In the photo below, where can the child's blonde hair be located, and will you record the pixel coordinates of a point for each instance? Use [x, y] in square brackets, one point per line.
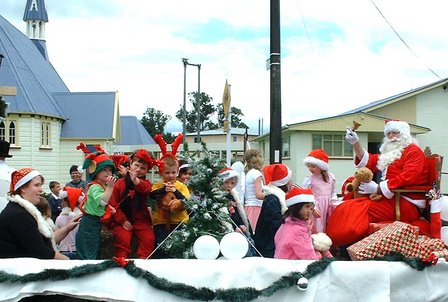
[170, 161]
[253, 161]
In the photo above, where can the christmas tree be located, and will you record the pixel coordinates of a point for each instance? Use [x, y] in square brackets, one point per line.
[207, 207]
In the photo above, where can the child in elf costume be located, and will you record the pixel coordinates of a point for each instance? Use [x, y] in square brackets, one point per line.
[100, 169]
[168, 193]
[132, 216]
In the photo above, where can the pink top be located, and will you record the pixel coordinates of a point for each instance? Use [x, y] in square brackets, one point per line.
[293, 241]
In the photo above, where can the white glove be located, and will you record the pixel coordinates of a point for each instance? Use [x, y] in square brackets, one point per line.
[368, 187]
[351, 137]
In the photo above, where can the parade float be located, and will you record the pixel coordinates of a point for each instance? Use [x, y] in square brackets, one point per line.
[392, 264]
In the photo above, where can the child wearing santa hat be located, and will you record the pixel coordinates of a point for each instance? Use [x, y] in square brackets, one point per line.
[322, 182]
[278, 179]
[293, 239]
[71, 198]
[100, 169]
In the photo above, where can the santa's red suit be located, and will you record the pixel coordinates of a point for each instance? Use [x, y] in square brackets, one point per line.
[130, 204]
[350, 220]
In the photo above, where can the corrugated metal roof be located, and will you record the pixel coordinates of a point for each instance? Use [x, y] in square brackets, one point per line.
[395, 97]
[37, 12]
[220, 131]
[88, 114]
[26, 68]
[133, 132]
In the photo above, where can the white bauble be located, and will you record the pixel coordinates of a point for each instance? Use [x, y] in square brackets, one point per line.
[234, 245]
[206, 247]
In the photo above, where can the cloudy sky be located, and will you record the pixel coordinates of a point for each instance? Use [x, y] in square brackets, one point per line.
[336, 55]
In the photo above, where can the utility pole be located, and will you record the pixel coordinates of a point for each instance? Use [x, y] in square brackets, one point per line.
[198, 109]
[275, 138]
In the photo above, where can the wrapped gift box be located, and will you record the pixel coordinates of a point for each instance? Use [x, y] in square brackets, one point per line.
[376, 226]
[396, 237]
[430, 245]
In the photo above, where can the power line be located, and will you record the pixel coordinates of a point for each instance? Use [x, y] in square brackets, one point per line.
[402, 40]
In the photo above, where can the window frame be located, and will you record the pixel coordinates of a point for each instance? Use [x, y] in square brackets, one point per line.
[8, 131]
[330, 142]
[45, 134]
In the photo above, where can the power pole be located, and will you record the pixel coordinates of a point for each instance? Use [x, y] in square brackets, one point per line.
[275, 137]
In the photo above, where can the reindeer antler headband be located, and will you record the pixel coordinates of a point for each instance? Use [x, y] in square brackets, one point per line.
[162, 144]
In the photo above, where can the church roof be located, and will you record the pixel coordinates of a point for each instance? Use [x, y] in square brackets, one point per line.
[88, 114]
[130, 124]
[25, 68]
[36, 11]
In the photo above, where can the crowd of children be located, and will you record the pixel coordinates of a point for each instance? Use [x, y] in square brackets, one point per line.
[264, 205]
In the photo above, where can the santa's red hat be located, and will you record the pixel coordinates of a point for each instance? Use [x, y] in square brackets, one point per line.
[21, 177]
[277, 174]
[317, 157]
[396, 126]
[299, 195]
[228, 173]
[73, 195]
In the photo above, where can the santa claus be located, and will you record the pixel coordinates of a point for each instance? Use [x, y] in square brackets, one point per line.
[402, 163]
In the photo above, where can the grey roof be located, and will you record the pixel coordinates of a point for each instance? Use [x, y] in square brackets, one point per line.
[397, 96]
[35, 12]
[88, 114]
[25, 68]
[133, 132]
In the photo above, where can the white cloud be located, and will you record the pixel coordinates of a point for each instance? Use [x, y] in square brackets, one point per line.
[347, 57]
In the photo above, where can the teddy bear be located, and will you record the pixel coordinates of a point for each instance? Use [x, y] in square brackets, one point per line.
[170, 202]
[362, 174]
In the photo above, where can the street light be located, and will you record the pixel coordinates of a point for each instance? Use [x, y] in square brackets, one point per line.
[1, 59]
[184, 117]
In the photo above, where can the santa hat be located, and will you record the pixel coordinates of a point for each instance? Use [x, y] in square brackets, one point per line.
[299, 195]
[317, 157]
[277, 174]
[228, 173]
[73, 195]
[145, 156]
[396, 126]
[21, 177]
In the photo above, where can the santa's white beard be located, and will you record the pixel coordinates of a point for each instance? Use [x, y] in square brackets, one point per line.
[390, 150]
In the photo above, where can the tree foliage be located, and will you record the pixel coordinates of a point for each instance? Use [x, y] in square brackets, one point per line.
[207, 111]
[3, 106]
[202, 107]
[207, 206]
[235, 118]
[155, 122]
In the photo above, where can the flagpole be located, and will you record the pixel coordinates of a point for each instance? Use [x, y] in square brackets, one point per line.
[226, 102]
[229, 134]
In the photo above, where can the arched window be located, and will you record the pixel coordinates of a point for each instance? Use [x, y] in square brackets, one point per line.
[12, 133]
[2, 130]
